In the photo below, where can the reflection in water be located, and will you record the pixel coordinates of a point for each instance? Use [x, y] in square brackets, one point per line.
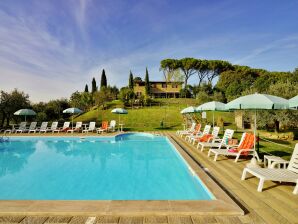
[100, 169]
[14, 156]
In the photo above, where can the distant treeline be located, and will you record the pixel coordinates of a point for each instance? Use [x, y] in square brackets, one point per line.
[233, 80]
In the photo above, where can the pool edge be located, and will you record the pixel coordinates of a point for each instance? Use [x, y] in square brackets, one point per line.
[222, 205]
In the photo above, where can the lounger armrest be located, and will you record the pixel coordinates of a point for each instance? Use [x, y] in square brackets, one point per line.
[245, 150]
[232, 146]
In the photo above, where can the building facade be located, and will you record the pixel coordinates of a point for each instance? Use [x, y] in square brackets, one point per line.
[159, 89]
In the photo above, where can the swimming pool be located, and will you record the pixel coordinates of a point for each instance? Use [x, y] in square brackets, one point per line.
[125, 167]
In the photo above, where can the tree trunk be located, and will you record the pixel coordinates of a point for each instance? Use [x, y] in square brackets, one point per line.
[185, 82]
[7, 121]
[276, 126]
[200, 82]
[3, 120]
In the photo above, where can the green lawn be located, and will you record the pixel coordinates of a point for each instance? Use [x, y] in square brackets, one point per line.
[151, 118]
[168, 113]
[283, 148]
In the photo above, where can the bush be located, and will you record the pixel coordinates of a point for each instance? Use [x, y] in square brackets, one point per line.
[147, 100]
[185, 93]
[126, 95]
[203, 97]
[41, 116]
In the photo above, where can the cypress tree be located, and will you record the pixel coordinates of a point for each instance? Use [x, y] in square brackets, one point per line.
[86, 89]
[94, 87]
[130, 81]
[103, 81]
[147, 84]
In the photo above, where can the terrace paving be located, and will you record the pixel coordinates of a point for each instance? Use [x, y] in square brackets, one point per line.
[276, 204]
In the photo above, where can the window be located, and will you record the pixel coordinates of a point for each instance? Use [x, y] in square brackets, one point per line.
[164, 85]
[153, 85]
[174, 86]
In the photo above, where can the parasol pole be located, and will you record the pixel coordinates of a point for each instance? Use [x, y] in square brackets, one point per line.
[255, 129]
[119, 122]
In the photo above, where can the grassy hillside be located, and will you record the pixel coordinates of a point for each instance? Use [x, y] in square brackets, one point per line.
[150, 118]
[168, 112]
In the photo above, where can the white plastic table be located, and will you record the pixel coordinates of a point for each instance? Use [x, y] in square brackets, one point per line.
[275, 159]
[85, 126]
[121, 127]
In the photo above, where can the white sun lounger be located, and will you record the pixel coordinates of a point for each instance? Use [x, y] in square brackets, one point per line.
[54, 127]
[191, 137]
[91, 128]
[282, 175]
[43, 127]
[65, 127]
[215, 132]
[216, 142]
[32, 127]
[22, 127]
[190, 130]
[196, 130]
[112, 126]
[77, 128]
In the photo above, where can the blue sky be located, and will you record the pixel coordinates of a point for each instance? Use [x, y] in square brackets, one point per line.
[51, 48]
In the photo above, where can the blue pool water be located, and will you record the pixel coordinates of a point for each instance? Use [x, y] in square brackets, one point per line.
[127, 167]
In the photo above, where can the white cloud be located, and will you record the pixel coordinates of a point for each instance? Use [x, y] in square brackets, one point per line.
[49, 64]
[30, 55]
[287, 42]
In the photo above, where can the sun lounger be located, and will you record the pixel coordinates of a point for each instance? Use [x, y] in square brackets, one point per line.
[77, 128]
[43, 127]
[8, 131]
[64, 128]
[196, 130]
[11, 130]
[91, 128]
[245, 148]
[191, 129]
[104, 127]
[207, 137]
[54, 127]
[217, 142]
[32, 127]
[112, 126]
[22, 127]
[282, 175]
[198, 134]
